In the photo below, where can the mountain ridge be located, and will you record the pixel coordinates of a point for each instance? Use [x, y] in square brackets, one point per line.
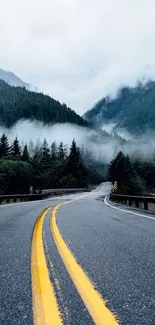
[13, 80]
[133, 110]
[17, 103]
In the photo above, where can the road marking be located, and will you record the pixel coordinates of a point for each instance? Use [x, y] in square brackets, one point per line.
[127, 211]
[91, 297]
[45, 308]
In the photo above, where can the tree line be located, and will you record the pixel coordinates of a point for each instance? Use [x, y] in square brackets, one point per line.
[43, 166]
[47, 168]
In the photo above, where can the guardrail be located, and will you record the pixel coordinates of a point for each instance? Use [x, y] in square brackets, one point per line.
[21, 197]
[43, 195]
[64, 190]
[131, 200]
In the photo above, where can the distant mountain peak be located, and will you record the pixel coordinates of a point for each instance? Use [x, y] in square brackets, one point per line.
[14, 80]
[132, 110]
[20, 104]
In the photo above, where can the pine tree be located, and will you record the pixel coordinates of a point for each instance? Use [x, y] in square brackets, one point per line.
[122, 171]
[4, 146]
[45, 149]
[61, 153]
[74, 155]
[54, 151]
[16, 149]
[31, 148]
[38, 146]
[25, 155]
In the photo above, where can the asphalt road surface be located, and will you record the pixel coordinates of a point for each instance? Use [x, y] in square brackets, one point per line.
[83, 262]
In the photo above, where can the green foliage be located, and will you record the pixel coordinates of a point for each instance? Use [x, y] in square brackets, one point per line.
[122, 171]
[25, 154]
[146, 170]
[16, 149]
[44, 169]
[133, 109]
[15, 176]
[4, 146]
[61, 152]
[17, 103]
[54, 151]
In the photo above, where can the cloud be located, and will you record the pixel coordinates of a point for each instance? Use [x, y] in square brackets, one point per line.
[78, 51]
[27, 131]
[102, 148]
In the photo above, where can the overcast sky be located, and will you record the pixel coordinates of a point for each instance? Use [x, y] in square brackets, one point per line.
[78, 50]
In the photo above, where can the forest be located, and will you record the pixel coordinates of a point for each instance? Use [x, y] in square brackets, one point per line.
[132, 110]
[134, 176]
[45, 166]
[17, 103]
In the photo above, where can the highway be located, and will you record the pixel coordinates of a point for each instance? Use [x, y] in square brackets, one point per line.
[77, 260]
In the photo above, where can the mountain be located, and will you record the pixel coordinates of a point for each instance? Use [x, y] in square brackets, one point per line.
[13, 80]
[133, 109]
[17, 103]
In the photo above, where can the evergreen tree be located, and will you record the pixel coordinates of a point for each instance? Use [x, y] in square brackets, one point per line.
[38, 146]
[25, 154]
[16, 149]
[122, 171]
[54, 151]
[45, 149]
[31, 148]
[61, 153]
[4, 146]
[74, 155]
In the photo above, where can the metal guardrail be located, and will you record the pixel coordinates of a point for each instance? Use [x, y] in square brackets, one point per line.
[43, 195]
[138, 201]
[21, 197]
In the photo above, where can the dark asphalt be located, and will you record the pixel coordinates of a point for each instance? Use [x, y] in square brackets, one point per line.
[16, 228]
[72, 308]
[116, 249]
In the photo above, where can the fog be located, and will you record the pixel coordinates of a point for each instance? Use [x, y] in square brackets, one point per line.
[103, 146]
[78, 51]
[27, 131]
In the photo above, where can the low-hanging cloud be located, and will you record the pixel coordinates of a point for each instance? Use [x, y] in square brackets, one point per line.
[27, 131]
[102, 147]
[78, 51]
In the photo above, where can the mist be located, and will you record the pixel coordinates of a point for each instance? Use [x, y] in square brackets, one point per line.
[78, 60]
[102, 145]
[26, 131]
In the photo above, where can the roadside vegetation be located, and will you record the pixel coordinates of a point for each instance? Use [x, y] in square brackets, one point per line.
[134, 176]
[43, 166]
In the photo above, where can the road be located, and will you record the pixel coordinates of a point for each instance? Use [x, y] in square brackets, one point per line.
[79, 262]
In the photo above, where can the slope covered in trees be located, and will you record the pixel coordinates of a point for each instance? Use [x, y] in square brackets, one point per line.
[17, 103]
[134, 176]
[133, 109]
[46, 167]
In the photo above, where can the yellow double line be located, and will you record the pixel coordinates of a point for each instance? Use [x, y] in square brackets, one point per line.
[45, 307]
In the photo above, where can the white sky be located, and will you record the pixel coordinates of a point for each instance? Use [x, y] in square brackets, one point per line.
[78, 50]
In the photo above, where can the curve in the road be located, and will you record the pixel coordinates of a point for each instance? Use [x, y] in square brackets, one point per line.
[127, 211]
[91, 297]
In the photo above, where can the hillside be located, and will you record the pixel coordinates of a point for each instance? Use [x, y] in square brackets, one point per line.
[14, 80]
[17, 103]
[133, 109]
